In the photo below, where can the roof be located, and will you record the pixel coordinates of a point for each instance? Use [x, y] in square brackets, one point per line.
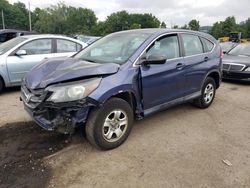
[15, 30]
[159, 31]
[40, 36]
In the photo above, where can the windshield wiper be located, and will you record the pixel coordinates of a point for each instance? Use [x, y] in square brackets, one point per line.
[89, 60]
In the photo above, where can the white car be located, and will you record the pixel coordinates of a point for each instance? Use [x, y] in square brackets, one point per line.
[19, 55]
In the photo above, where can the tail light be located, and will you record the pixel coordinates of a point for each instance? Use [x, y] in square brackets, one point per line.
[221, 53]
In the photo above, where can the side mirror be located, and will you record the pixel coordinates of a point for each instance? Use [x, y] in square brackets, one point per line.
[21, 52]
[155, 59]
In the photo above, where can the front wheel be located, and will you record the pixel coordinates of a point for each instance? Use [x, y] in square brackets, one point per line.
[208, 94]
[108, 126]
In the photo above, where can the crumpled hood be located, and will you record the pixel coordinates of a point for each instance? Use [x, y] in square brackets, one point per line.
[62, 69]
[236, 59]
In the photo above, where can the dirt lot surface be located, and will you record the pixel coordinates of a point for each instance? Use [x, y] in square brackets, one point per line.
[180, 147]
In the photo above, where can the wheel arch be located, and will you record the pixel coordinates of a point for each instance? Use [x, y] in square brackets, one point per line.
[127, 95]
[1, 79]
[216, 76]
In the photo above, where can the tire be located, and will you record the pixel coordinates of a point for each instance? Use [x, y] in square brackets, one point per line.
[109, 126]
[208, 94]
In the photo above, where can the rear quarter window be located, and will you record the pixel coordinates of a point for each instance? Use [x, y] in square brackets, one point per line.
[65, 46]
[208, 45]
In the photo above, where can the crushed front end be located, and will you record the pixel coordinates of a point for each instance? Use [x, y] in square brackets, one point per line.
[63, 117]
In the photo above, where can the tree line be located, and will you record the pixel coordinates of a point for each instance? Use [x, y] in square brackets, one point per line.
[224, 28]
[62, 19]
[68, 20]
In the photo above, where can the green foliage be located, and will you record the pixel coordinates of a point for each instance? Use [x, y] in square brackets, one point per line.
[61, 19]
[163, 25]
[135, 26]
[123, 21]
[145, 20]
[194, 25]
[224, 28]
[117, 22]
[15, 16]
[229, 25]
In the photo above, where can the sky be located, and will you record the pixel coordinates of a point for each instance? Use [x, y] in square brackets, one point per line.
[172, 12]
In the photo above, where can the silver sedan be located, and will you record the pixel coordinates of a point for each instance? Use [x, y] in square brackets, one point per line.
[19, 55]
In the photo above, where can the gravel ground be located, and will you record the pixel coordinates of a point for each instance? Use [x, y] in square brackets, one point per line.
[180, 147]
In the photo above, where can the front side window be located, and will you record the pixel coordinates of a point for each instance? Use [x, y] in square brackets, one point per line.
[192, 44]
[40, 46]
[114, 48]
[168, 46]
[64, 46]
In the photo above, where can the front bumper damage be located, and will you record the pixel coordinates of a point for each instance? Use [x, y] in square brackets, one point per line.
[60, 117]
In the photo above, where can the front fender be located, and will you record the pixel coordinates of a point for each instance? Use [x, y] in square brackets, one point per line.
[125, 80]
[4, 72]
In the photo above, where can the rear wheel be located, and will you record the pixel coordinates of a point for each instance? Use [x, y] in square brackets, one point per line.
[109, 126]
[208, 94]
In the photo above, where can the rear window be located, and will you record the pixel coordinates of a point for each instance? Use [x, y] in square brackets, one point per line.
[208, 45]
[192, 44]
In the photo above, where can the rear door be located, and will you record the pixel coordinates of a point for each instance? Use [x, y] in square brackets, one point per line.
[196, 61]
[165, 82]
[66, 48]
[37, 50]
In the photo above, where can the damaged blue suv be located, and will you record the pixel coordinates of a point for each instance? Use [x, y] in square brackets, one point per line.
[124, 76]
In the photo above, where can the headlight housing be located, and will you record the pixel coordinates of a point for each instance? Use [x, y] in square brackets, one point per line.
[72, 91]
[247, 69]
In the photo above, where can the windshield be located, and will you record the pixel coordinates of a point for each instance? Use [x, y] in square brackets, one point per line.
[114, 48]
[6, 46]
[241, 49]
[226, 46]
[83, 39]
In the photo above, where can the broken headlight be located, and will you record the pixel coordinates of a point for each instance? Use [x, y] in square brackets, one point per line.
[72, 91]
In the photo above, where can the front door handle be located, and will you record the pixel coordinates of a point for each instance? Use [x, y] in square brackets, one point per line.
[205, 59]
[180, 66]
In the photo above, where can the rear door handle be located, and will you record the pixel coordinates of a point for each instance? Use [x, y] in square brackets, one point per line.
[205, 58]
[180, 66]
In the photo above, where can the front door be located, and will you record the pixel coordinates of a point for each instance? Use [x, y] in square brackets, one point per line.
[164, 82]
[36, 51]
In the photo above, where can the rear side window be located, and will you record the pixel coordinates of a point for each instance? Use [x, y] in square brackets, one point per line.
[208, 45]
[64, 46]
[192, 44]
